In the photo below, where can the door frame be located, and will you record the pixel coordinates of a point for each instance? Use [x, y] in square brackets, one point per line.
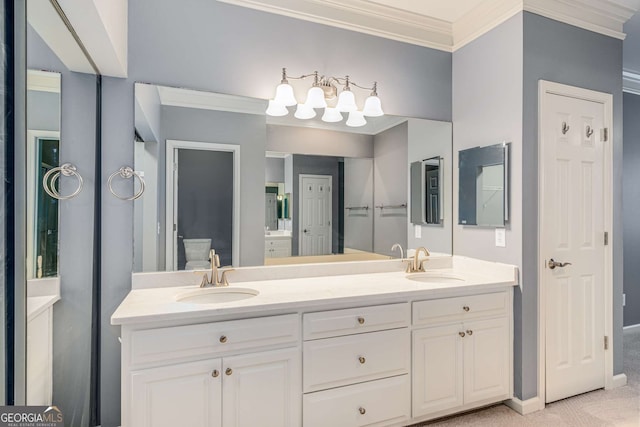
[606, 99]
[300, 204]
[171, 254]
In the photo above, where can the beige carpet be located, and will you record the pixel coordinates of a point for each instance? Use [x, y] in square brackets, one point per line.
[619, 407]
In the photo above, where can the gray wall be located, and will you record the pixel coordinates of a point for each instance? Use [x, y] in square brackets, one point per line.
[248, 131]
[72, 314]
[390, 187]
[274, 169]
[573, 56]
[358, 192]
[43, 110]
[207, 49]
[319, 142]
[631, 196]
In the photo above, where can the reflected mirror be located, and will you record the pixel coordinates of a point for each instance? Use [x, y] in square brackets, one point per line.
[263, 190]
[484, 178]
[427, 191]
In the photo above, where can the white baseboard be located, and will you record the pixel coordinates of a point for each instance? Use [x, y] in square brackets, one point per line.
[524, 407]
[619, 380]
[631, 329]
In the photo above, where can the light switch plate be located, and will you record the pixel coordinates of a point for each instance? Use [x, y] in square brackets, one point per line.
[501, 238]
[418, 231]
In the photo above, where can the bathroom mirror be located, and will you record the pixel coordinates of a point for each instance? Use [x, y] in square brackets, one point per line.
[276, 169]
[426, 191]
[484, 189]
[61, 128]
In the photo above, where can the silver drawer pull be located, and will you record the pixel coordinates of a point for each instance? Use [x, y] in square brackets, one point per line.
[466, 308]
[461, 334]
[215, 373]
[362, 410]
[361, 320]
[362, 360]
[229, 371]
[223, 339]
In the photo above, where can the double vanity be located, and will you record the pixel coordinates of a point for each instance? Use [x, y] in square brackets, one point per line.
[344, 344]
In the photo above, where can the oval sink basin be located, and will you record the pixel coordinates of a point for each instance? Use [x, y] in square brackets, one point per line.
[435, 278]
[216, 295]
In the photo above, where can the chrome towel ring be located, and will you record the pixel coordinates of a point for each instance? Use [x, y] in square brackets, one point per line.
[126, 172]
[49, 181]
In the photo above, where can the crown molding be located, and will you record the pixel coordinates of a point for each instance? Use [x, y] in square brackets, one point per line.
[631, 82]
[602, 16]
[43, 81]
[187, 98]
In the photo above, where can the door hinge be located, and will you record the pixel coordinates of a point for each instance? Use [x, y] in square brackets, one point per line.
[606, 342]
[604, 135]
[606, 238]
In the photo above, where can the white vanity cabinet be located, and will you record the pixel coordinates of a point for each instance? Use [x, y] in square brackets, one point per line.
[461, 353]
[356, 366]
[237, 380]
[277, 246]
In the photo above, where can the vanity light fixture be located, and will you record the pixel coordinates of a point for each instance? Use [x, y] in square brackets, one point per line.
[325, 89]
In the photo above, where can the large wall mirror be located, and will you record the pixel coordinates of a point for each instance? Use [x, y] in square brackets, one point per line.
[263, 190]
[60, 145]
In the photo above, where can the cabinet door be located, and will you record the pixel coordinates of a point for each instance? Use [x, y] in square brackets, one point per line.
[262, 389]
[486, 360]
[437, 369]
[186, 394]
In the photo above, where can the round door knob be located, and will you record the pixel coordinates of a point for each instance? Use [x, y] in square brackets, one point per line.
[362, 410]
[362, 360]
[223, 339]
[228, 371]
[461, 334]
[469, 332]
[361, 320]
[466, 308]
[215, 373]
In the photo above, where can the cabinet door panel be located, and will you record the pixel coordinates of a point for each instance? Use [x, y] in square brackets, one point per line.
[181, 395]
[437, 369]
[486, 360]
[263, 389]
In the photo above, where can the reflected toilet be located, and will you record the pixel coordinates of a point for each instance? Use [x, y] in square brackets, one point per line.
[197, 253]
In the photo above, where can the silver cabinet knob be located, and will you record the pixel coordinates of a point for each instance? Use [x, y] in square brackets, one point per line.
[215, 373]
[362, 410]
[466, 308]
[362, 360]
[228, 371]
[361, 320]
[469, 332]
[223, 339]
[461, 334]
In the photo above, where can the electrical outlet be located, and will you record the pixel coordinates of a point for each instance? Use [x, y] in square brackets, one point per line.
[418, 231]
[624, 299]
[501, 238]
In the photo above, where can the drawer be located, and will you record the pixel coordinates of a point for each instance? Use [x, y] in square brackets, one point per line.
[334, 362]
[278, 243]
[374, 403]
[459, 308]
[164, 344]
[336, 323]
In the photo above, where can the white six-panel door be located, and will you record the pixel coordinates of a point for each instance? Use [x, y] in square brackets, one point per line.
[572, 231]
[315, 215]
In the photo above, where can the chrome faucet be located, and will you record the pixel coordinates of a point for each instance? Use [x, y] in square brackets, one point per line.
[214, 280]
[398, 246]
[415, 265]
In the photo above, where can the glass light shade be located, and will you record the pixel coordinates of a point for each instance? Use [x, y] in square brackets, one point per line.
[276, 109]
[331, 115]
[284, 95]
[346, 102]
[304, 112]
[372, 107]
[356, 119]
[315, 98]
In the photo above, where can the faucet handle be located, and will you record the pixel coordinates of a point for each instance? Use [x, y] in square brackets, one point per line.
[224, 281]
[205, 281]
[216, 260]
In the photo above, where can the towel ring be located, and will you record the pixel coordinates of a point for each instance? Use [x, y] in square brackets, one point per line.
[49, 180]
[126, 172]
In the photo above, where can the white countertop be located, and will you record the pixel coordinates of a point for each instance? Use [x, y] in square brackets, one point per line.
[159, 304]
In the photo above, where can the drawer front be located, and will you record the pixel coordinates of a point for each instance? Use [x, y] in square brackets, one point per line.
[375, 403]
[334, 362]
[459, 308]
[336, 323]
[164, 344]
